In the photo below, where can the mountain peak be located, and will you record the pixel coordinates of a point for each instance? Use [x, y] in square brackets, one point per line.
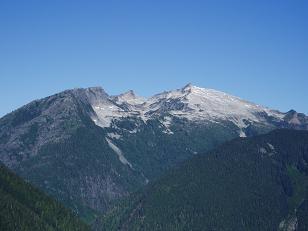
[187, 87]
[129, 97]
[190, 88]
[129, 93]
[96, 89]
[90, 94]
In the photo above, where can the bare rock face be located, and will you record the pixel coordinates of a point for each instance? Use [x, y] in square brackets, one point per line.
[88, 149]
[44, 121]
[296, 120]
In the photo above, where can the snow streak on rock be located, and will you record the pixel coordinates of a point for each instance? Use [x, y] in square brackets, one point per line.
[119, 153]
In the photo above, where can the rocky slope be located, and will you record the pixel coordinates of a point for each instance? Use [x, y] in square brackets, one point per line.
[88, 149]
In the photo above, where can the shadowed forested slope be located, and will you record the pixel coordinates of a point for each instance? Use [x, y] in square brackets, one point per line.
[22, 207]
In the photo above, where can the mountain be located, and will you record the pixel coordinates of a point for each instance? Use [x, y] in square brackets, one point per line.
[257, 183]
[196, 104]
[88, 149]
[54, 144]
[26, 208]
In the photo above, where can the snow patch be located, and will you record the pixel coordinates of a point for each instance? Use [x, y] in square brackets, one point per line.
[145, 179]
[135, 130]
[167, 131]
[167, 121]
[119, 153]
[113, 135]
[242, 133]
[262, 150]
[269, 150]
[271, 146]
[290, 224]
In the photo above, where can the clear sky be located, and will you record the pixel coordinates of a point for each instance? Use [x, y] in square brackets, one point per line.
[257, 50]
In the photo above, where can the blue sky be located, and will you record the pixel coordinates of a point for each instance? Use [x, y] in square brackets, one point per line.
[257, 50]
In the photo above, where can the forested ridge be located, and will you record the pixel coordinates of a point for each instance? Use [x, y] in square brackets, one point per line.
[23, 207]
[257, 183]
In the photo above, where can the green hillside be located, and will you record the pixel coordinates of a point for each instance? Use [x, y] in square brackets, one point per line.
[257, 183]
[22, 207]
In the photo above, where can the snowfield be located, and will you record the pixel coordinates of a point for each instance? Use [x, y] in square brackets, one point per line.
[190, 102]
